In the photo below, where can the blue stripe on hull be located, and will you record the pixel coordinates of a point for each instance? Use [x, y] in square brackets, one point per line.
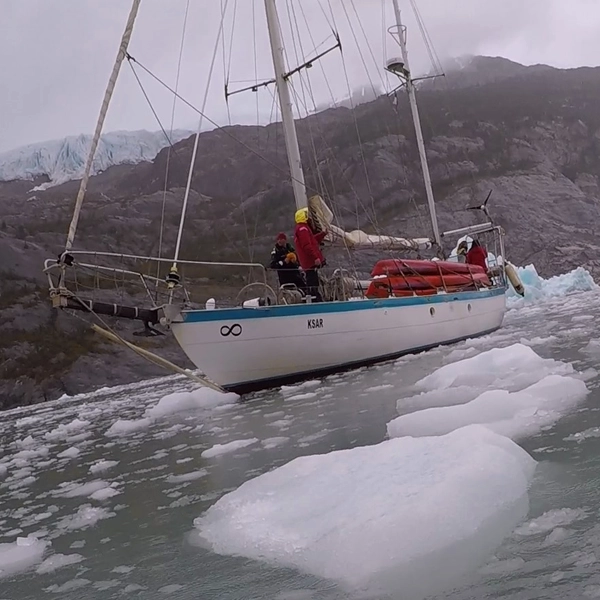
[263, 384]
[236, 314]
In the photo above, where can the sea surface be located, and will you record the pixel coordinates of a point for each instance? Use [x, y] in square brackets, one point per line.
[111, 494]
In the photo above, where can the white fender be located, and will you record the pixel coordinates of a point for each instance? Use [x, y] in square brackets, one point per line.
[514, 279]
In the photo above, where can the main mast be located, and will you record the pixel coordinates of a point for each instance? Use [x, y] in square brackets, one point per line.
[412, 97]
[285, 101]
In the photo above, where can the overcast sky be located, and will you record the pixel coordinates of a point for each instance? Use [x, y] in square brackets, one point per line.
[57, 54]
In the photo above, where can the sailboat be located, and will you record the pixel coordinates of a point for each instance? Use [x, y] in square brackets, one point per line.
[407, 306]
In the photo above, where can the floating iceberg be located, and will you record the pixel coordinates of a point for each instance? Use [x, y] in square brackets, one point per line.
[538, 288]
[512, 391]
[405, 516]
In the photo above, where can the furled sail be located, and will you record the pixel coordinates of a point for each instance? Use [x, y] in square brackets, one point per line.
[323, 219]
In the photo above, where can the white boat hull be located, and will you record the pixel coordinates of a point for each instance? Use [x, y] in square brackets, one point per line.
[245, 349]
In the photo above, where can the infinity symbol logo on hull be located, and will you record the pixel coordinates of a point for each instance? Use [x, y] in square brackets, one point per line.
[235, 330]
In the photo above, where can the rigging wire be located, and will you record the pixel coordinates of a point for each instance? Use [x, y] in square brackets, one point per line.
[211, 121]
[162, 214]
[377, 67]
[433, 56]
[312, 39]
[195, 148]
[334, 157]
[362, 58]
[145, 94]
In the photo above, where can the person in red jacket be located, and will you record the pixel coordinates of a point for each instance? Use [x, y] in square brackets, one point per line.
[309, 252]
[477, 255]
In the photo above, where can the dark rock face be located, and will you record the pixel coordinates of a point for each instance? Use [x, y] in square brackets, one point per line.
[530, 134]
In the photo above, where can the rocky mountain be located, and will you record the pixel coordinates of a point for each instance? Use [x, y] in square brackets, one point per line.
[530, 134]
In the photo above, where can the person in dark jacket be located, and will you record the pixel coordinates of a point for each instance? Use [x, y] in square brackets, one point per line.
[477, 255]
[309, 252]
[285, 262]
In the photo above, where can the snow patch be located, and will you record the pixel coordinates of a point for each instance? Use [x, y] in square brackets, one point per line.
[370, 517]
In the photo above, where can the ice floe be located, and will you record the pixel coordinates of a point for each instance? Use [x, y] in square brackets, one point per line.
[86, 516]
[57, 561]
[103, 465]
[219, 449]
[558, 517]
[21, 555]
[370, 517]
[191, 476]
[510, 390]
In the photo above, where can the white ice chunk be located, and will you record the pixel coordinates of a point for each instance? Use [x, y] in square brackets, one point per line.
[27, 421]
[56, 561]
[106, 585]
[105, 494]
[515, 414]
[66, 429]
[407, 516]
[191, 476]
[273, 442]
[132, 587]
[20, 555]
[558, 517]
[304, 396]
[84, 489]
[123, 427]
[103, 465]
[86, 516]
[123, 569]
[73, 584]
[169, 589]
[219, 449]
[512, 368]
[202, 398]
[579, 437]
[69, 453]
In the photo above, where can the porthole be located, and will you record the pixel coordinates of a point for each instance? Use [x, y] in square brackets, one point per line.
[432, 311]
[469, 307]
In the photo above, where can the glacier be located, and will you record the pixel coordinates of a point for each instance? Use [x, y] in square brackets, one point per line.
[64, 160]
